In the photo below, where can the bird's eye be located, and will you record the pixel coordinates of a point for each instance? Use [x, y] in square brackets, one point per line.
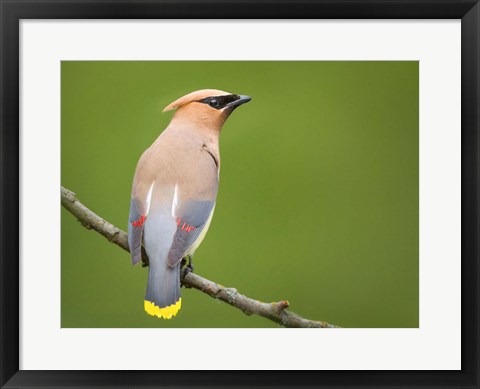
[213, 103]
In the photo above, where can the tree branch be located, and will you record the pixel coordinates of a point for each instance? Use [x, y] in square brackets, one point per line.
[276, 311]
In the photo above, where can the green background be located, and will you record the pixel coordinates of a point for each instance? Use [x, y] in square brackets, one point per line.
[318, 199]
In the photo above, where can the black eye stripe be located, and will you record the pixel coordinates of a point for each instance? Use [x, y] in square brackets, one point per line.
[221, 101]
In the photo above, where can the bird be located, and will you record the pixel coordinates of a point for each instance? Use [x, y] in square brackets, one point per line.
[174, 193]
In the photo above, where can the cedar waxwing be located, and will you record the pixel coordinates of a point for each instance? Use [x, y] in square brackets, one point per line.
[174, 192]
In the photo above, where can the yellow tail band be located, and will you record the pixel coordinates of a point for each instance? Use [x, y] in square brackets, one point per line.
[165, 312]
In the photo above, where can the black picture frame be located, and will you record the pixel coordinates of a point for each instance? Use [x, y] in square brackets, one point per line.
[12, 11]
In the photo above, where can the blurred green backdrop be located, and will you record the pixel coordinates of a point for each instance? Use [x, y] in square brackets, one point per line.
[318, 200]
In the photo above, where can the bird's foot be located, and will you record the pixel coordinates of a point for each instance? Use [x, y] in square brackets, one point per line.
[145, 262]
[186, 267]
[188, 262]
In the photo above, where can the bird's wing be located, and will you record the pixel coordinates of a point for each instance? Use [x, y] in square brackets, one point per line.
[192, 217]
[135, 231]
[139, 207]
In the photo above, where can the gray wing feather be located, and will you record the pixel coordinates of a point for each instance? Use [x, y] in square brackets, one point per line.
[135, 232]
[192, 216]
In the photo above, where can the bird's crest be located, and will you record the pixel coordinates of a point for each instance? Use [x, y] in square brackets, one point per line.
[194, 96]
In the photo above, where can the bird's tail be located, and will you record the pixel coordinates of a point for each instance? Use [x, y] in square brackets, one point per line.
[163, 290]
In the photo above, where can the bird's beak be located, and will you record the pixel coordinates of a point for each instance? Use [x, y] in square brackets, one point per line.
[241, 100]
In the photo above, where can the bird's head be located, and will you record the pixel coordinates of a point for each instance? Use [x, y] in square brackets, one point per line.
[206, 107]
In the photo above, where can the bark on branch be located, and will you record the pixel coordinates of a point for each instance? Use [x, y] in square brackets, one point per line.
[276, 311]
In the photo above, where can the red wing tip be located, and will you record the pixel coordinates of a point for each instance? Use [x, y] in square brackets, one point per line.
[139, 222]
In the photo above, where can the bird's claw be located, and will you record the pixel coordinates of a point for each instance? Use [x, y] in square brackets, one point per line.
[145, 261]
[187, 267]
